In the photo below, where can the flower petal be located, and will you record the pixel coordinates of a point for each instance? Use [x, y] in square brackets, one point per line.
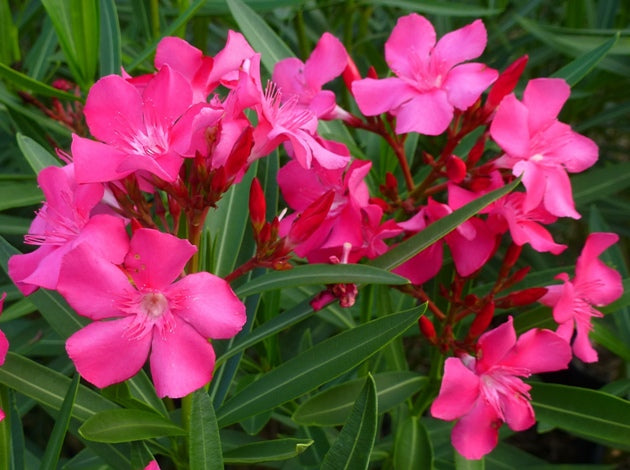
[458, 393]
[378, 96]
[476, 434]
[103, 355]
[412, 37]
[539, 351]
[461, 45]
[509, 127]
[465, 83]
[544, 98]
[326, 62]
[181, 361]
[494, 345]
[208, 303]
[427, 113]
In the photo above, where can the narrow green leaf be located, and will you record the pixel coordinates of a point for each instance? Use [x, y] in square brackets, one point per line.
[19, 194]
[332, 406]
[26, 83]
[114, 426]
[600, 183]
[436, 7]
[574, 71]
[412, 448]
[278, 323]
[36, 155]
[588, 413]
[262, 38]
[438, 229]
[58, 434]
[14, 225]
[142, 389]
[9, 47]
[5, 429]
[204, 442]
[49, 387]
[109, 41]
[320, 364]
[352, 448]
[228, 223]
[462, 463]
[266, 451]
[320, 274]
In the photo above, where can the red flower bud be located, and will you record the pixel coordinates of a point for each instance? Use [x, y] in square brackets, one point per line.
[350, 74]
[506, 82]
[257, 205]
[237, 160]
[522, 297]
[511, 255]
[427, 329]
[476, 151]
[312, 217]
[455, 169]
[481, 321]
[371, 73]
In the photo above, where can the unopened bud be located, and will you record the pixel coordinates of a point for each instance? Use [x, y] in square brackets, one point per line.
[350, 74]
[481, 321]
[427, 329]
[455, 169]
[312, 217]
[506, 82]
[257, 205]
[522, 297]
[371, 73]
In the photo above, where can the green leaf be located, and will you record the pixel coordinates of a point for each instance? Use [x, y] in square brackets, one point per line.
[435, 7]
[76, 23]
[9, 47]
[26, 83]
[19, 194]
[109, 41]
[353, 446]
[36, 155]
[462, 463]
[5, 429]
[591, 414]
[438, 229]
[228, 222]
[320, 274]
[56, 439]
[412, 448]
[14, 225]
[574, 71]
[204, 442]
[320, 364]
[119, 425]
[261, 37]
[266, 451]
[332, 406]
[600, 183]
[49, 387]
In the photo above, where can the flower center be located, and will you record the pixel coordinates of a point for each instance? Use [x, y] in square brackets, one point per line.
[154, 304]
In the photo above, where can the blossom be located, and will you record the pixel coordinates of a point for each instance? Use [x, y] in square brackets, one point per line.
[140, 310]
[429, 83]
[594, 284]
[64, 221]
[139, 130]
[304, 80]
[540, 147]
[4, 344]
[485, 391]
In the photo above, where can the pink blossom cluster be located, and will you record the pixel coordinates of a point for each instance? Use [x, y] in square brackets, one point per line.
[166, 146]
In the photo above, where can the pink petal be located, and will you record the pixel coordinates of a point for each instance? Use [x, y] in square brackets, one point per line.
[299, 186]
[465, 83]
[427, 113]
[518, 411]
[544, 98]
[91, 284]
[4, 347]
[458, 393]
[476, 434]
[231, 57]
[535, 182]
[536, 235]
[164, 166]
[461, 45]
[471, 255]
[113, 107]
[327, 61]
[179, 55]
[539, 351]
[574, 151]
[563, 310]
[288, 74]
[509, 127]
[22, 266]
[181, 361]
[156, 259]
[599, 283]
[423, 266]
[412, 37]
[493, 345]
[378, 96]
[103, 355]
[165, 99]
[208, 303]
[96, 162]
[558, 194]
[582, 346]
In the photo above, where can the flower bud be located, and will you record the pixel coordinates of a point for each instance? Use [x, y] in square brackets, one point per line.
[455, 169]
[427, 329]
[481, 321]
[522, 297]
[506, 82]
[257, 205]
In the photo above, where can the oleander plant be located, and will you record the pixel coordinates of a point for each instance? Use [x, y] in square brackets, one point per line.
[314, 234]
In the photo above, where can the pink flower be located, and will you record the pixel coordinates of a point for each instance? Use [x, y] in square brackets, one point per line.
[471, 245]
[304, 80]
[64, 221]
[485, 391]
[140, 310]
[540, 147]
[594, 284]
[4, 344]
[428, 84]
[149, 130]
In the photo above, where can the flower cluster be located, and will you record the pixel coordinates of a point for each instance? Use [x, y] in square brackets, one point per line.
[167, 145]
